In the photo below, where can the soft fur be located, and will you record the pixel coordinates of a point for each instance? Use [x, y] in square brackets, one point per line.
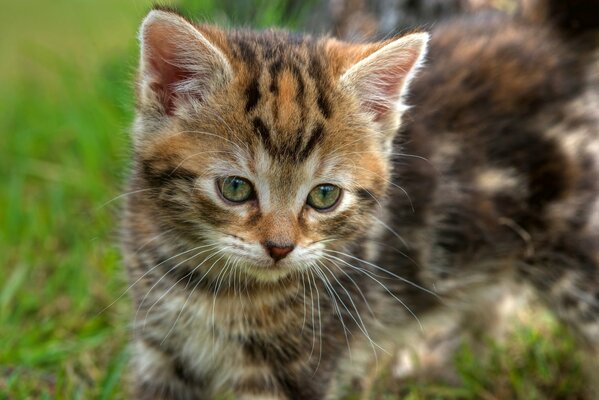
[494, 173]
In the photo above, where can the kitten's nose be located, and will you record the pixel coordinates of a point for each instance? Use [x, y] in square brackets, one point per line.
[278, 251]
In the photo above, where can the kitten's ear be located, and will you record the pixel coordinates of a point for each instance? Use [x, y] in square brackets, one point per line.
[177, 62]
[380, 80]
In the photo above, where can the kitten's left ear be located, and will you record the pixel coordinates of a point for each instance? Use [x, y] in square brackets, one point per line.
[178, 64]
[380, 81]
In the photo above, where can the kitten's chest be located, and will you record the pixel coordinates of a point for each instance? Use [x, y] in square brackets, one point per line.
[212, 334]
[206, 339]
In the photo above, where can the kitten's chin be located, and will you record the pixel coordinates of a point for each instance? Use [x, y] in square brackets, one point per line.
[271, 273]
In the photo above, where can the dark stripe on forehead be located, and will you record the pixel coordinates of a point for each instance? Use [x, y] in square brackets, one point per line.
[274, 70]
[297, 144]
[316, 72]
[323, 104]
[291, 148]
[252, 94]
[245, 51]
[316, 137]
[264, 134]
[301, 100]
[301, 87]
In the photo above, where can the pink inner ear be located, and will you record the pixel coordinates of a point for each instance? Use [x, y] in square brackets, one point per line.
[164, 88]
[387, 83]
[164, 64]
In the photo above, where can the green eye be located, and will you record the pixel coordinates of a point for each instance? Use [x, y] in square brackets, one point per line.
[236, 189]
[323, 197]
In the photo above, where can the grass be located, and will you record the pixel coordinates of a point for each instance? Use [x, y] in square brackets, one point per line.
[65, 111]
[535, 360]
[65, 108]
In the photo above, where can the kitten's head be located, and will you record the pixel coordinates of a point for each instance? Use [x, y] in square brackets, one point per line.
[271, 147]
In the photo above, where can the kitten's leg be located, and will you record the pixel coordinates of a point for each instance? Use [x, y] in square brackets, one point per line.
[567, 278]
[282, 382]
[158, 376]
[274, 370]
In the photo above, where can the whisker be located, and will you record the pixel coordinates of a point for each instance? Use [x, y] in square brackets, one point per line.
[120, 196]
[359, 322]
[169, 289]
[304, 300]
[229, 128]
[332, 293]
[195, 155]
[189, 295]
[145, 274]
[312, 315]
[390, 183]
[385, 271]
[392, 231]
[209, 134]
[166, 273]
[394, 154]
[153, 239]
[219, 281]
[357, 287]
[319, 321]
[386, 289]
[371, 195]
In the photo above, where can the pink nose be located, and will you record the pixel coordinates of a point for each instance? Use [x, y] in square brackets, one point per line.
[278, 251]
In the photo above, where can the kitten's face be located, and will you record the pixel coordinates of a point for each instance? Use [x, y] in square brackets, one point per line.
[272, 149]
[246, 196]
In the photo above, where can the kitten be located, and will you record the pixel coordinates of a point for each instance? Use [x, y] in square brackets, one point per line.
[280, 233]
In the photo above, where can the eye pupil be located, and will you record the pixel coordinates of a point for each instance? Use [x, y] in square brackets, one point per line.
[236, 189]
[324, 197]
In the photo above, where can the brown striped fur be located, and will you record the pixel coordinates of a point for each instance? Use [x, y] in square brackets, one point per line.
[494, 173]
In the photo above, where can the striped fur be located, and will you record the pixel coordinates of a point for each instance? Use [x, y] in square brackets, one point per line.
[494, 173]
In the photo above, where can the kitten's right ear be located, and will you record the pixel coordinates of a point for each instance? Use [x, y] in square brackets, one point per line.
[177, 63]
[380, 80]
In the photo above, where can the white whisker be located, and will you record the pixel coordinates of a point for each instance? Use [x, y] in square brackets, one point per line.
[169, 289]
[383, 270]
[332, 293]
[192, 291]
[168, 272]
[146, 273]
[120, 196]
[386, 289]
[393, 232]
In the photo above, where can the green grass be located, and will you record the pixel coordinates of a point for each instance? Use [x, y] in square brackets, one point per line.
[65, 108]
[65, 105]
[536, 360]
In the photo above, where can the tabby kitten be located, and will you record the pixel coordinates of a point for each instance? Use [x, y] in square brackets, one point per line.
[276, 234]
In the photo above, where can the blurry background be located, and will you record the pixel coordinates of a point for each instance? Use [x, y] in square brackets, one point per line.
[66, 73]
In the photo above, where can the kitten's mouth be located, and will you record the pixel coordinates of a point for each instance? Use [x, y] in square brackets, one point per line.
[269, 271]
[270, 274]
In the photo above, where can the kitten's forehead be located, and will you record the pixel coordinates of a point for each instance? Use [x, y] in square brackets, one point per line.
[284, 96]
[286, 179]
[284, 116]
[284, 90]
